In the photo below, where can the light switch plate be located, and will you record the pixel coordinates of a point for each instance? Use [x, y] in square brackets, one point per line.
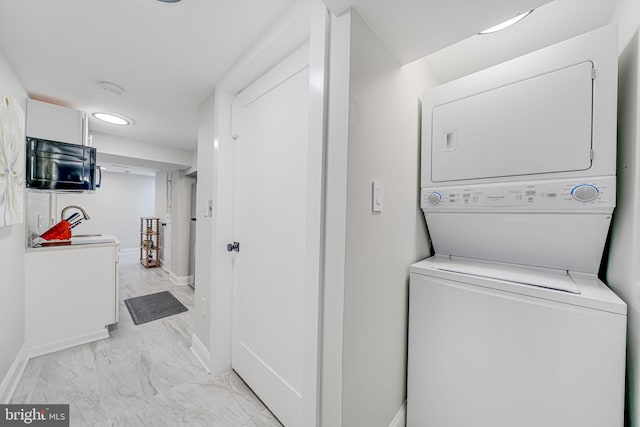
[377, 196]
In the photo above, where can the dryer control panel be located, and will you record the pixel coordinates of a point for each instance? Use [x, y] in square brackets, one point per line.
[595, 194]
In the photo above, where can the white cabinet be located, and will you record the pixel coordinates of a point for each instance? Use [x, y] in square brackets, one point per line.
[71, 295]
[56, 123]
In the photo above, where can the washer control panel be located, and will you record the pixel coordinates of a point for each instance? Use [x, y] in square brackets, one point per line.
[588, 194]
[585, 192]
[434, 198]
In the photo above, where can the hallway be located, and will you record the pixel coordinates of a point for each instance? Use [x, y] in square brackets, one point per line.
[143, 375]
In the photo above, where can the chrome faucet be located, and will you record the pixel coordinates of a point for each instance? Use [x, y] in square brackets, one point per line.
[84, 213]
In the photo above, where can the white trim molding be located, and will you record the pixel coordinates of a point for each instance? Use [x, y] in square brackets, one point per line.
[178, 280]
[315, 229]
[335, 226]
[400, 420]
[12, 378]
[200, 351]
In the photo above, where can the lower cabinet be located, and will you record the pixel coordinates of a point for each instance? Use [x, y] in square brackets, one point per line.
[71, 295]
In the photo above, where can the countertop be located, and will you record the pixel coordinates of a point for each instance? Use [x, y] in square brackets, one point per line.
[76, 242]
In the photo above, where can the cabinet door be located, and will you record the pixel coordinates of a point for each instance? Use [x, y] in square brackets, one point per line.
[70, 295]
[55, 123]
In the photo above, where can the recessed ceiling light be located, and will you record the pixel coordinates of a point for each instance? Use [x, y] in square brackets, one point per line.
[506, 24]
[112, 88]
[112, 118]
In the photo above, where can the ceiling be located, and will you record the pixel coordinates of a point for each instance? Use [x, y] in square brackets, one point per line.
[558, 19]
[168, 57]
[412, 29]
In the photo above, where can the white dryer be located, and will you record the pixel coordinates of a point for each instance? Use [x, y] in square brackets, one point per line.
[508, 322]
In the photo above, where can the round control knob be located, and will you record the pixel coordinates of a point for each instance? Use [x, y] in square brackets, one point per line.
[434, 198]
[585, 192]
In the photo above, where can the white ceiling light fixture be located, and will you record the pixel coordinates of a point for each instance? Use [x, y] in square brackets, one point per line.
[506, 24]
[112, 118]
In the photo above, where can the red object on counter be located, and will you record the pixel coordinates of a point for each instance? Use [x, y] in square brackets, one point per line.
[60, 231]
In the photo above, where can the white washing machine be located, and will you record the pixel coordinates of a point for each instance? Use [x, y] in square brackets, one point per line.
[508, 322]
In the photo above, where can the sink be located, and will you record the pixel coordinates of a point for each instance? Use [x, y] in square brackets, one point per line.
[86, 235]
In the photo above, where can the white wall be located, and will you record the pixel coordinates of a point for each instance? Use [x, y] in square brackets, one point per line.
[383, 144]
[213, 295]
[12, 241]
[215, 166]
[194, 163]
[116, 207]
[181, 225]
[176, 214]
[160, 211]
[37, 214]
[204, 223]
[114, 149]
[623, 272]
[220, 295]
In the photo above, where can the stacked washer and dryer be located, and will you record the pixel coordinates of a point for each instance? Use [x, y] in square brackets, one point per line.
[509, 325]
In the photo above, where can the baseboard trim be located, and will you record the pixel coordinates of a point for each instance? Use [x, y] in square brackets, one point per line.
[12, 378]
[178, 280]
[400, 420]
[39, 350]
[200, 351]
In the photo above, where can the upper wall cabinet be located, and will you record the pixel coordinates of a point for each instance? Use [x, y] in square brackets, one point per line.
[56, 123]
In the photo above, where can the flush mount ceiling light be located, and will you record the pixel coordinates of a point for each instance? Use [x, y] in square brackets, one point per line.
[506, 24]
[112, 118]
[112, 88]
[169, 1]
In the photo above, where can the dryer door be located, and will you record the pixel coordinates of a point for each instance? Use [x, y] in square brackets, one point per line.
[538, 125]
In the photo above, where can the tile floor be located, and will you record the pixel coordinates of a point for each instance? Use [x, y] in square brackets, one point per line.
[143, 375]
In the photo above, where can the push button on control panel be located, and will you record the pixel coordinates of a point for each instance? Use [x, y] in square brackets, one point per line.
[584, 192]
[434, 198]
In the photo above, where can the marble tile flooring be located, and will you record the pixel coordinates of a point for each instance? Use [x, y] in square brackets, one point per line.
[143, 375]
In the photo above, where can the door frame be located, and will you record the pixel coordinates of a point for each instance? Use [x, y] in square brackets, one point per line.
[304, 22]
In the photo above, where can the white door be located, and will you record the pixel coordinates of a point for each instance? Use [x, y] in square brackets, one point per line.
[269, 270]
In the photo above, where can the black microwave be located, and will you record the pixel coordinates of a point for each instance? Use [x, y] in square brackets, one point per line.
[60, 166]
